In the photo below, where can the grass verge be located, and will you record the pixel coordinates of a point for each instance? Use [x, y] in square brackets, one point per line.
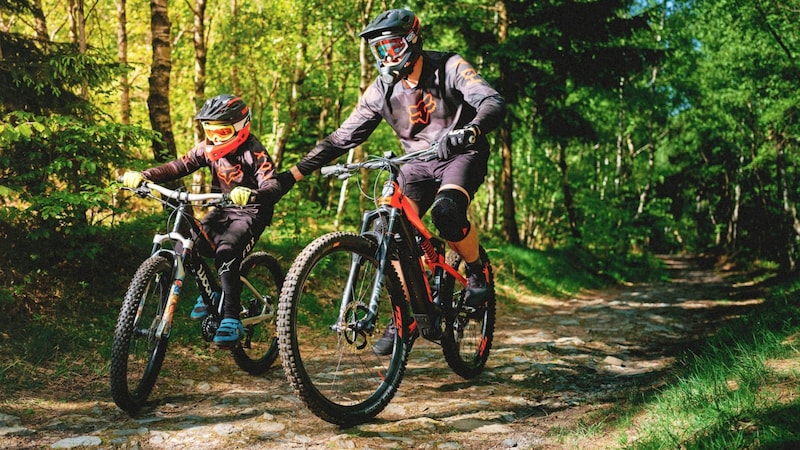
[738, 391]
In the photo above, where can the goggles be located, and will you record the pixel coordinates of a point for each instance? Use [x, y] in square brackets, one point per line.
[389, 49]
[219, 132]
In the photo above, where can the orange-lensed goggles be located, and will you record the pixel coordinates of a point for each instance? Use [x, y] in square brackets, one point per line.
[217, 132]
[389, 48]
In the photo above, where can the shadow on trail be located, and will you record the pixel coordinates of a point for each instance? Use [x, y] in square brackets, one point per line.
[595, 348]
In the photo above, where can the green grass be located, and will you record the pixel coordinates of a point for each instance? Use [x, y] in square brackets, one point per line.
[565, 271]
[738, 391]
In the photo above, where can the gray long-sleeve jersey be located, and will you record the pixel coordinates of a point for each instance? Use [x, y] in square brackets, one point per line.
[450, 95]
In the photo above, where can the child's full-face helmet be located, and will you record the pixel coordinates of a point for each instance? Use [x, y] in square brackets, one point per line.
[395, 42]
[226, 123]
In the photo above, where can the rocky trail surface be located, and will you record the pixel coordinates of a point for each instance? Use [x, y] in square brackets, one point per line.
[556, 364]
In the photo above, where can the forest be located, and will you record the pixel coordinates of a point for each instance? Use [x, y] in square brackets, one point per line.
[633, 126]
[635, 129]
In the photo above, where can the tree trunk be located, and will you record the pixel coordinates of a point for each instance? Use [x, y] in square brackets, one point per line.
[199, 38]
[122, 55]
[366, 76]
[164, 150]
[510, 230]
[77, 29]
[789, 204]
[566, 190]
[296, 89]
[40, 22]
[234, 54]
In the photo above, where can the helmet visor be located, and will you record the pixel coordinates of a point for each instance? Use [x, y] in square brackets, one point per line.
[219, 132]
[389, 50]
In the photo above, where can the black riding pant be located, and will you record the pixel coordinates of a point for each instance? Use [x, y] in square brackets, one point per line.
[233, 233]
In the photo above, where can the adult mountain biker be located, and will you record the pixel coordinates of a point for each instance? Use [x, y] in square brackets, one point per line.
[241, 167]
[427, 97]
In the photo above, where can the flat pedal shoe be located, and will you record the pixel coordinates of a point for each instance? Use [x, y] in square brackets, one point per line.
[229, 333]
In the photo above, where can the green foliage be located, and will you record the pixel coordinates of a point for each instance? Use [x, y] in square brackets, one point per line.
[733, 125]
[56, 170]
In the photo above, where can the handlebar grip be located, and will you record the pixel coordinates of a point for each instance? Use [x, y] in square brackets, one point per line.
[329, 170]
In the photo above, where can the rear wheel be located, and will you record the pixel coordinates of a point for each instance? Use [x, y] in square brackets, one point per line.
[137, 352]
[467, 336]
[329, 362]
[262, 281]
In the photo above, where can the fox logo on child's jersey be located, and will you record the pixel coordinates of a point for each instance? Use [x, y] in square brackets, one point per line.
[229, 174]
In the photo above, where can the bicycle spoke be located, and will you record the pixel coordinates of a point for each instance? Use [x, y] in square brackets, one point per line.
[330, 365]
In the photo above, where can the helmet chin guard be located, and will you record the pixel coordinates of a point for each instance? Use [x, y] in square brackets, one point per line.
[391, 74]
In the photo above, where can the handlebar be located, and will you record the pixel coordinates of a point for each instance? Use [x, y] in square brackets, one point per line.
[376, 162]
[181, 196]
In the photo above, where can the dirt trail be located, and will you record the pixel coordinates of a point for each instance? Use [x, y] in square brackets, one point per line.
[555, 364]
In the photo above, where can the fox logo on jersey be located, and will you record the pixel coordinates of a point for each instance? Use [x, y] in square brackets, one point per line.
[421, 112]
[229, 174]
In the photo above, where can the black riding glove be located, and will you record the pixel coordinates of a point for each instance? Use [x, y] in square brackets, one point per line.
[456, 141]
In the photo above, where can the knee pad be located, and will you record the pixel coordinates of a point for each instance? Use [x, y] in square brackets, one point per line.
[449, 214]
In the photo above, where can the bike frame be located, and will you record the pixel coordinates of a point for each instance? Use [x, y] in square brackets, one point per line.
[183, 257]
[415, 246]
[181, 251]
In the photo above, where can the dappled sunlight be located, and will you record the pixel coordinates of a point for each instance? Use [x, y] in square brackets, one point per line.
[602, 341]
[553, 361]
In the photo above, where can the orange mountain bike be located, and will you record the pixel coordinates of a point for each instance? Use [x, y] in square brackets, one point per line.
[345, 288]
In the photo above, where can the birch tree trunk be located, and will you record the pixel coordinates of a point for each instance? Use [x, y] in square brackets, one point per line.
[122, 55]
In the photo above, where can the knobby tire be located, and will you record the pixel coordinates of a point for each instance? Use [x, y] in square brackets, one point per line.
[335, 373]
[467, 338]
[136, 355]
[259, 349]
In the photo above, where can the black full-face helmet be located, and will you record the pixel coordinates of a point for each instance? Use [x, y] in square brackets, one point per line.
[395, 42]
[226, 123]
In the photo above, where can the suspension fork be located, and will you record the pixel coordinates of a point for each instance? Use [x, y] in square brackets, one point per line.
[384, 241]
[179, 275]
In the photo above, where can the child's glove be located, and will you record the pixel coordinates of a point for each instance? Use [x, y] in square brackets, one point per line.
[240, 195]
[131, 179]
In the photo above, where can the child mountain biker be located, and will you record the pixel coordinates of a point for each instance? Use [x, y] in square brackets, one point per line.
[426, 97]
[241, 167]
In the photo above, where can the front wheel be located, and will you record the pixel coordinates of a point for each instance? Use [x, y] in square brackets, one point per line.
[138, 352]
[326, 353]
[262, 280]
[467, 337]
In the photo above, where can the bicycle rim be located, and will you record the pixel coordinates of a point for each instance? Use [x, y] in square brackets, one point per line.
[137, 354]
[259, 348]
[332, 368]
[467, 337]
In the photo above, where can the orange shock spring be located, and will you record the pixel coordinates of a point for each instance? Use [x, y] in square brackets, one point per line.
[429, 250]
